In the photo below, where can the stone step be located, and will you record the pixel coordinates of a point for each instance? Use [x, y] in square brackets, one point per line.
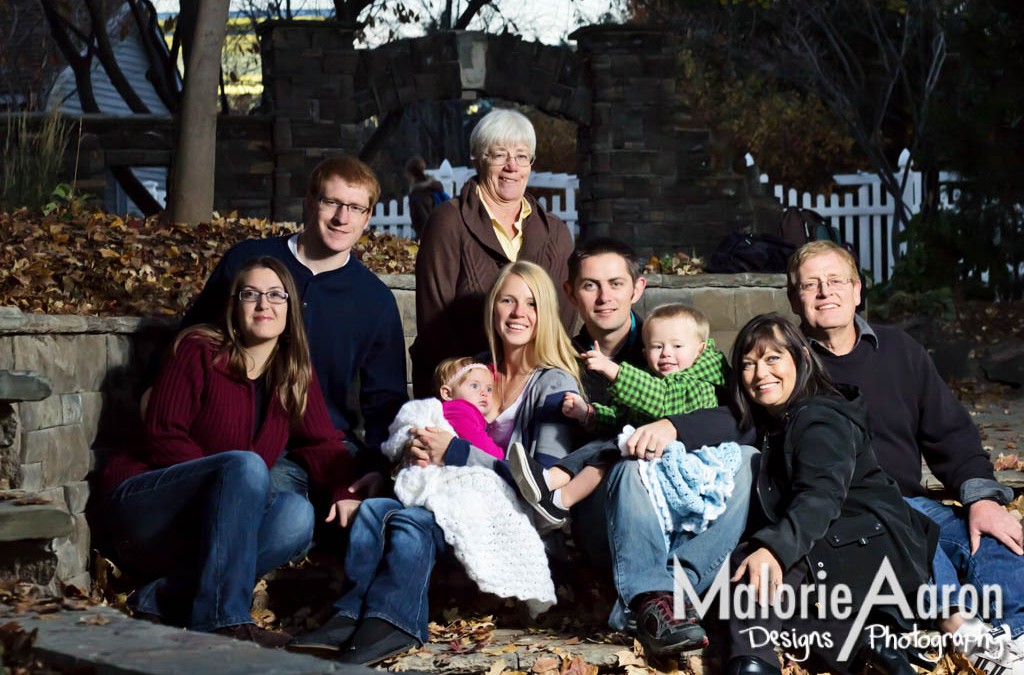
[23, 386]
[107, 642]
[21, 521]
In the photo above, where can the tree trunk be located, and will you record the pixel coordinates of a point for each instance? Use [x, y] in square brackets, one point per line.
[195, 158]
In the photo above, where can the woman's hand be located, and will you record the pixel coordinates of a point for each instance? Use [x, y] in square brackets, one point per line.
[599, 363]
[649, 441]
[574, 407]
[343, 510]
[765, 573]
[428, 446]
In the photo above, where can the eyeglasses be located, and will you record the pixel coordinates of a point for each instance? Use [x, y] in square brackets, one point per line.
[812, 285]
[251, 296]
[501, 158]
[334, 206]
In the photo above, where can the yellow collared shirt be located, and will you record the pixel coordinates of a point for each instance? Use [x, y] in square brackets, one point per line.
[510, 245]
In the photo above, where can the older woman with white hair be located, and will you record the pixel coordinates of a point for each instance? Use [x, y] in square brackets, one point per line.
[492, 222]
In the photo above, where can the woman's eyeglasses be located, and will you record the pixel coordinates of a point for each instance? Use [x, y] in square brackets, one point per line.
[251, 296]
[501, 158]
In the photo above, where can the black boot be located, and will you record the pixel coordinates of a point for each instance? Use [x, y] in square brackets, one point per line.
[883, 660]
[751, 665]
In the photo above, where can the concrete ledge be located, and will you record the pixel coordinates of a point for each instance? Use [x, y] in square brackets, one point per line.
[111, 643]
[19, 522]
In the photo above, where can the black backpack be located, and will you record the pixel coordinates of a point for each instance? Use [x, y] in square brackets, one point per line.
[799, 226]
[741, 252]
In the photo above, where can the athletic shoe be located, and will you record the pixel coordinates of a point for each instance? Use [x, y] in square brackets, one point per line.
[528, 475]
[376, 640]
[250, 632]
[661, 633]
[995, 653]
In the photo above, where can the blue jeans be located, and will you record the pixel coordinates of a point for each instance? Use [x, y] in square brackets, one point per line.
[993, 564]
[617, 525]
[203, 531]
[391, 553]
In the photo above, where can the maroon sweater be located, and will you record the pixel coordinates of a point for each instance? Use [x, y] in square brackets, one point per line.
[199, 409]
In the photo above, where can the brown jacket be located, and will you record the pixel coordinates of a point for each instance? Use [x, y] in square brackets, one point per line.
[458, 260]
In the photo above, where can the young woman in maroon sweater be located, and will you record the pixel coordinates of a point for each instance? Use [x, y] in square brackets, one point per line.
[194, 510]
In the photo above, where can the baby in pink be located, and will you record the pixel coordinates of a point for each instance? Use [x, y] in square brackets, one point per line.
[464, 402]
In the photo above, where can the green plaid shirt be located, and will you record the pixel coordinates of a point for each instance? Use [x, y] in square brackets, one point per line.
[638, 397]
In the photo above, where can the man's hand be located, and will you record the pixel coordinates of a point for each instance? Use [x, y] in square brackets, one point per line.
[428, 446]
[599, 363]
[343, 510]
[765, 573]
[985, 517]
[649, 441]
[371, 485]
[574, 407]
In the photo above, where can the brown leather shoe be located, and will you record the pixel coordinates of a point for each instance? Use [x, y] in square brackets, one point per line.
[250, 632]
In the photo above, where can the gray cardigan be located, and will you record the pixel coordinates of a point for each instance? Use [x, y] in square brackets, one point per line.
[540, 426]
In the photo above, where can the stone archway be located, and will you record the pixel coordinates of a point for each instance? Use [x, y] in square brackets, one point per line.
[645, 171]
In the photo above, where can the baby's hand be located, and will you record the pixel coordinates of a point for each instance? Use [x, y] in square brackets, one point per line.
[574, 407]
[599, 363]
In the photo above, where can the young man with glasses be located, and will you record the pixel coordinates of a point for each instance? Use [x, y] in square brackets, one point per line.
[913, 414]
[351, 317]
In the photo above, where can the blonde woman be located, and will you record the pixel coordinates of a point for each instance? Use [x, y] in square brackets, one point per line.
[392, 548]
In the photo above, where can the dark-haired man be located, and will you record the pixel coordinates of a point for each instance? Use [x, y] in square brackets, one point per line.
[618, 523]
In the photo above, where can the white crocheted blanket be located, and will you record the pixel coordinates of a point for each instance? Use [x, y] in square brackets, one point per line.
[479, 513]
[492, 536]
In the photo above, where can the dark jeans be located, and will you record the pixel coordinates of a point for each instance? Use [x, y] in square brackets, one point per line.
[391, 553]
[202, 531]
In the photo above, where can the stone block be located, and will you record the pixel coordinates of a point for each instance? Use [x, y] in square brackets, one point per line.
[119, 351]
[72, 363]
[724, 340]
[73, 551]
[92, 410]
[62, 451]
[654, 297]
[31, 477]
[33, 521]
[719, 305]
[23, 386]
[10, 318]
[6, 351]
[753, 301]
[407, 310]
[41, 414]
[30, 560]
[71, 408]
[76, 496]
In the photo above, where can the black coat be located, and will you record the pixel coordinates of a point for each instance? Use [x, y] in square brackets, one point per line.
[826, 499]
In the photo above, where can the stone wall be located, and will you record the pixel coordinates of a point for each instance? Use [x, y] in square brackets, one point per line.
[95, 367]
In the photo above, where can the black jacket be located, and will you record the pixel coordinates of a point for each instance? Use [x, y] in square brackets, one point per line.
[826, 499]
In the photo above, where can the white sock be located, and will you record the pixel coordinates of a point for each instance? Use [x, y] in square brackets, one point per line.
[556, 499]
[546, 473]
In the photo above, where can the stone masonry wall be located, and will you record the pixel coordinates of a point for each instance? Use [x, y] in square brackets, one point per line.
[95, 367]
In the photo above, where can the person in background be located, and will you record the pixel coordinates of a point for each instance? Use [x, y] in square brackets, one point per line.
[424, 194]
[492, 222]
[193, 511]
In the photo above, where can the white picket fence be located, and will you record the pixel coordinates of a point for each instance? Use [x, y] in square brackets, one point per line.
[859, 207]
[863, 211]
[392, 217]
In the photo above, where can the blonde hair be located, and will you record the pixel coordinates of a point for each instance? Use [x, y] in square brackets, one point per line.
[551, 347]
[701, 325]
[448, 368]
[813, 249]
[289, 370]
